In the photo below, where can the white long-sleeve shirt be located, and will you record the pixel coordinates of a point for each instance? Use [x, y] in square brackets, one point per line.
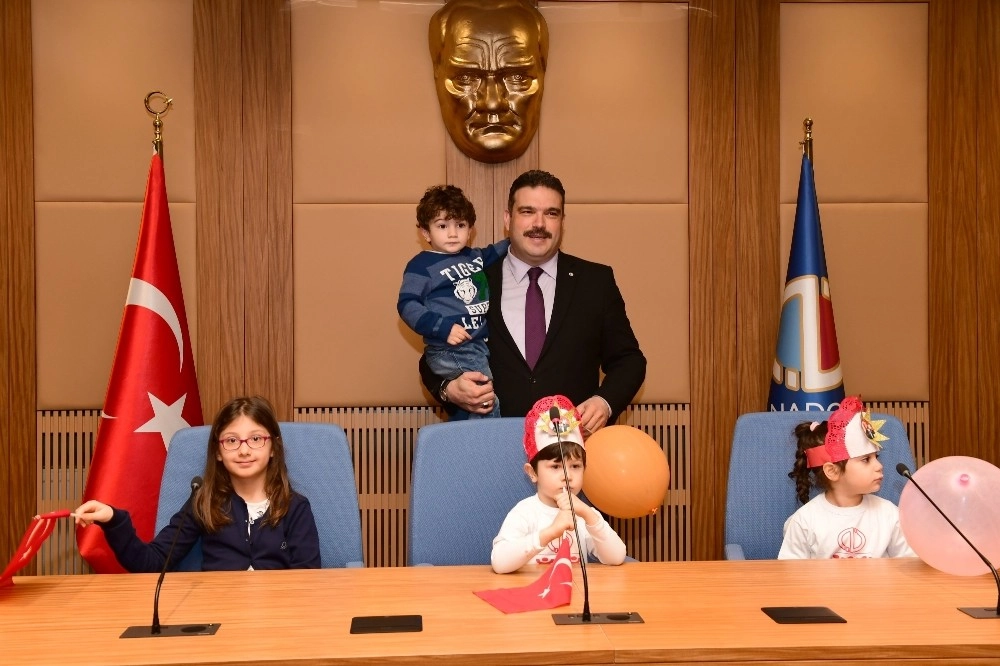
[820, 530]
[518, 540]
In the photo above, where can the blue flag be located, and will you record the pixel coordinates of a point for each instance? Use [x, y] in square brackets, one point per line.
[806, 373]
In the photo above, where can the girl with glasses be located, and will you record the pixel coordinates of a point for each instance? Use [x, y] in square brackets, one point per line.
[245, 512]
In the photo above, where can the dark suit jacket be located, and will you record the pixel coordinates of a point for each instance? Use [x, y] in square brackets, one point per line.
[588, 332]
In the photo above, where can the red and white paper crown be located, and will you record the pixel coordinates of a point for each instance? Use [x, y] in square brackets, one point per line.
[850, 433]
[540, 431]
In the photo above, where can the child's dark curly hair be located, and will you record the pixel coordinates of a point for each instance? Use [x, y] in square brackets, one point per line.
[805, 478]
[446, 199]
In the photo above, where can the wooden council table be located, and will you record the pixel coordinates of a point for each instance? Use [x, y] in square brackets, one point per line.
[695, 612]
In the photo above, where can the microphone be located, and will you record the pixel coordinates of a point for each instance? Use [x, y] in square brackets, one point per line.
[977, 612]
[586, 617]
[560, 427]
[155, 629]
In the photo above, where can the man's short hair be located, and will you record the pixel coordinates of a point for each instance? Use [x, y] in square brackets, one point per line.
[535, 178]
[446, 199]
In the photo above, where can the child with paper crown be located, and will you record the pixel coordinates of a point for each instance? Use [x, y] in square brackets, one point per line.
[846, 520]
[534, 528]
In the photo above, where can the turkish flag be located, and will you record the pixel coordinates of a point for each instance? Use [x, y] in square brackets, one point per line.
[153, 391]
[553, 588]
[38, 531]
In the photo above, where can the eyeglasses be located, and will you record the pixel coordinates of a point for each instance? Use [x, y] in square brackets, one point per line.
[253, 441]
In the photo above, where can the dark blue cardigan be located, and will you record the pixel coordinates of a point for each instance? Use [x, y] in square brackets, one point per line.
[293, 544]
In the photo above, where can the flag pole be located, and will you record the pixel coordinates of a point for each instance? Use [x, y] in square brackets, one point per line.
[157, 123]
[806, 373]
[807, 143]
[153, 388]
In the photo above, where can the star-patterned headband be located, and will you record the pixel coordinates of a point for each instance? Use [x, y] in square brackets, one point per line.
[539, 431]
[851, 432]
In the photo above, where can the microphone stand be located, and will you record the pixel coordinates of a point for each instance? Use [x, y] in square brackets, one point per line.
[586, 617]
[155, 629]
[977, 612]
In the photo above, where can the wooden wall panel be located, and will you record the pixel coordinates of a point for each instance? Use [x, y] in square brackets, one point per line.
[17, 276]
[713, 259]
[987, 388]
[615, 115]
[218, 58]
[860, 71]
[243, 146]
[757, 240]
[367, 124]
[267, 203]
[90, 169]
[952, 240]
[653, 276]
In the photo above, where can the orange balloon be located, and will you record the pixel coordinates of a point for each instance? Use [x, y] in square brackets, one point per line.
[627, 472]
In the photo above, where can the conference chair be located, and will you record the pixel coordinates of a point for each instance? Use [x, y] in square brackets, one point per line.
[760, 496]
[466, 476]
[320, 467]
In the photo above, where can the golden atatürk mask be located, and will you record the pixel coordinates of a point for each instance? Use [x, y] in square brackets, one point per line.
[489, 66]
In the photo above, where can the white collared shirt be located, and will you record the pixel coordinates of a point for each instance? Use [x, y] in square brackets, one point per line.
[515, 287]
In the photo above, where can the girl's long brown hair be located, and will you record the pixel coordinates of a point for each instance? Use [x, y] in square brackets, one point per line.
[804, 477]
[211, 503]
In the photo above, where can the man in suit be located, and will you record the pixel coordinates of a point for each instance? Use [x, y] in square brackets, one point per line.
[586, 328]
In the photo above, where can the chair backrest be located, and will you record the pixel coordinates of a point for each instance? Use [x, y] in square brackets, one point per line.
[467, 475]
[320, 467]
[760, 496]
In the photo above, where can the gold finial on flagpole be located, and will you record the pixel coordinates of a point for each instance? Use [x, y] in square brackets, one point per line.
[807, 143]
[157, 123]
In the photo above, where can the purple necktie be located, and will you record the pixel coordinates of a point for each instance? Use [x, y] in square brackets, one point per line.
[534, 318]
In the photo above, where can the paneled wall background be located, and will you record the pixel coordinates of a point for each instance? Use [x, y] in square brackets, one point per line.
[293, 172]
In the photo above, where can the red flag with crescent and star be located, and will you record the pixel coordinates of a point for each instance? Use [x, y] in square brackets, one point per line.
[553, 588]
[153, 390]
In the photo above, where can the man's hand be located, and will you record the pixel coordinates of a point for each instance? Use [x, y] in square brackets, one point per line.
[458, 335]
[472, 391]
[594, 413]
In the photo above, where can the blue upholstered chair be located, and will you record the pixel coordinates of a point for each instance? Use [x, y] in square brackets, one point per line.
[320, 467]
[466, 476]
[760, 496]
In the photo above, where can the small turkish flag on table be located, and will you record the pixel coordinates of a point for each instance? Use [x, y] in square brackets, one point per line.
[553, 588]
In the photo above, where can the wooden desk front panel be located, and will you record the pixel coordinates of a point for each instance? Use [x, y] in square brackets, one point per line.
[695, 612]
[284, 617]
[710, 612]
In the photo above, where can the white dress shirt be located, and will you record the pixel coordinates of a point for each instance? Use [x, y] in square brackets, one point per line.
[515, 287]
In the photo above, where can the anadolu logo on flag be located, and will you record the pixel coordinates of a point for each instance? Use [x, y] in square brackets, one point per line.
[806, 373]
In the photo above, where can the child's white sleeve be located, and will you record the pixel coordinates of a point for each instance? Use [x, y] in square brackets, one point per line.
[898, 547]
[795, 545]
[608, 546]
[516, 543]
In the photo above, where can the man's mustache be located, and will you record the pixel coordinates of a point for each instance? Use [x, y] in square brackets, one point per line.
[537, 233]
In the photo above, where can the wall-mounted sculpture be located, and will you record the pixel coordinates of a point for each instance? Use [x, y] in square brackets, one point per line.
[489, 61]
